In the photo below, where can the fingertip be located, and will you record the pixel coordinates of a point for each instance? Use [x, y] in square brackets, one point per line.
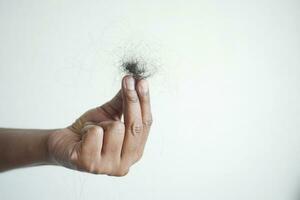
[126, 76]
[128, 82]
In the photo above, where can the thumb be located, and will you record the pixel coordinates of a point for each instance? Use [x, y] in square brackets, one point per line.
[110, 110]
[114, 107]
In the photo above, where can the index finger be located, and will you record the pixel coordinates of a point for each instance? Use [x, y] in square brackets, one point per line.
[132, 119]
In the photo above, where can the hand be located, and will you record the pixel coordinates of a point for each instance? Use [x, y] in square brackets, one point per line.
[99, 142]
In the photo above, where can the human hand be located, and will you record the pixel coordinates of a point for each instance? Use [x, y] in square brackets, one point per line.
[99, 142]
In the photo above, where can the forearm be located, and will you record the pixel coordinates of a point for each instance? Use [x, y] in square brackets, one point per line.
[23, 147]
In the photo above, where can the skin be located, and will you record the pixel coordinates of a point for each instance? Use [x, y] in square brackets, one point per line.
[97, 142]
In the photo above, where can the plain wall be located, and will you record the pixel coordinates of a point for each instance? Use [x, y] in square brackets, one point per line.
[225, 100]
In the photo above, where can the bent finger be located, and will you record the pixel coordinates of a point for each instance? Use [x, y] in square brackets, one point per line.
[114, 132]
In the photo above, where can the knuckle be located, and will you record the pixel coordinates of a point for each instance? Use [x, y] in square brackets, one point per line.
[108, 169]
[89, 167]
[145, 97]
[118, 126]
[131, 96]
[121, 172]
[110, 166]
[95, 129]
[148, 123]
[137, 157]
[113, 170]
[136, 128]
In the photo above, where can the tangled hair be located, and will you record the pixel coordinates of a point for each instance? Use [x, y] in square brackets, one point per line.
[138, 68]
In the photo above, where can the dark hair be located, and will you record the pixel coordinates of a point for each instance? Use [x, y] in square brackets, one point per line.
[137, 68]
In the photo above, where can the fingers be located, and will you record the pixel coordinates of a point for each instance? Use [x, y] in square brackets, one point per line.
[100, 150]
[112, 147]
[132, 119]
[92, 141]
[131, 106]
[86, 155]
[108, 145]
[113, 139]
[143, 93]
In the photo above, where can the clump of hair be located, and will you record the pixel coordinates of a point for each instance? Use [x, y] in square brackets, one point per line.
[138, 68]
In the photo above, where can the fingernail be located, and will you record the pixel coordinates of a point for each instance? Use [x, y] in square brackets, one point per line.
[130, 83]
[144, 87]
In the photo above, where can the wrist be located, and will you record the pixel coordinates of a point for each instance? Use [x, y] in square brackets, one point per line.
[45, 147]
[38, 149]
[50, 145]
[60, 144]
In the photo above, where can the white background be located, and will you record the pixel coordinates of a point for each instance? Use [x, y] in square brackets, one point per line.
[225, 101]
